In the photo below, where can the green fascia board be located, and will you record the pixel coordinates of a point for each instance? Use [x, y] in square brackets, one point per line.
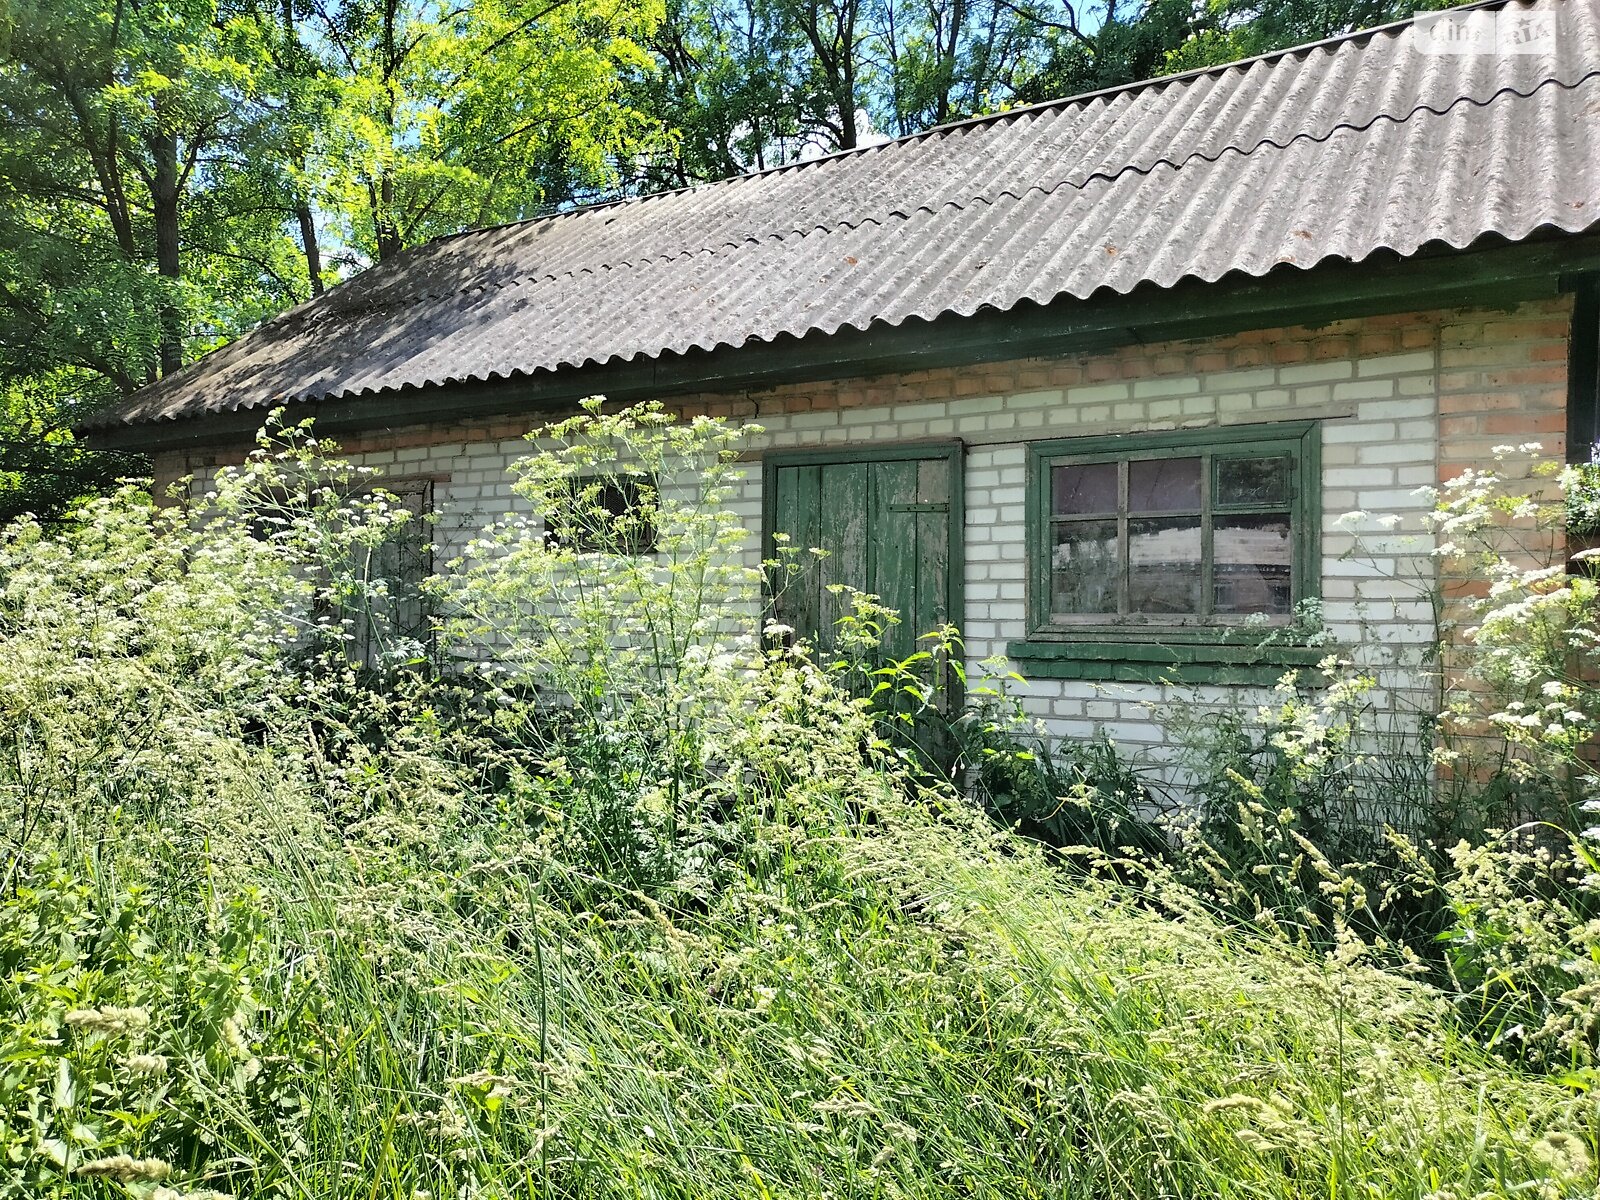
[1497, 277]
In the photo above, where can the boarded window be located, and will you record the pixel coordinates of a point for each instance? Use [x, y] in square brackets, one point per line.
[382, 601]
[375, 594]
[398, 621]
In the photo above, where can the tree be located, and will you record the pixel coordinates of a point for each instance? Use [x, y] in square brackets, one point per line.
[949, 59]
[116, 113]
[1091, 48]
[1235, 29]
[172, 172]
[725, 76]
[449, 117]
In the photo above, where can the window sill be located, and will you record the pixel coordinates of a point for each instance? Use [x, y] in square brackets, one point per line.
[1215, 662]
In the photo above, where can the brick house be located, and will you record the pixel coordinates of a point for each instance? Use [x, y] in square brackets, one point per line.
[1096, 380]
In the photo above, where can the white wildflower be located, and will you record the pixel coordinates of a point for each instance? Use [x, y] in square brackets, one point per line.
[845, 1106]
[1564, 1154]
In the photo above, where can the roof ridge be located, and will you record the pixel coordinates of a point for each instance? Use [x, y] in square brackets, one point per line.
[1302, 137]
[1010, 114]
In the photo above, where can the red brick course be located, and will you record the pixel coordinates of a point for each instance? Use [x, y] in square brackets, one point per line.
[1502, 377]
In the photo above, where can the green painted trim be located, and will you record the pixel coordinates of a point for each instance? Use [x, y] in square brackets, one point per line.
[1107, 672]
[952, 451]
[957, 567]
[1171, 443]
[1384, 283]
[1168, 653]
[1131, 662]
[1300, 440]
[1308, 508]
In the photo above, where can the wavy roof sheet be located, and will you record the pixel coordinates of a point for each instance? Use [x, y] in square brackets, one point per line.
[1330, 152]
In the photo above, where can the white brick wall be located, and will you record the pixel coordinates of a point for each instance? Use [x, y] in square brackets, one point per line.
[1379, 439]
[1403, 401]
[1370, 462]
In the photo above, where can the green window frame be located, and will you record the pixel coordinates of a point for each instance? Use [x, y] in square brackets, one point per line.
[1115, 620]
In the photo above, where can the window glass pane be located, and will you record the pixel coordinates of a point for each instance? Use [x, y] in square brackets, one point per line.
[1085, 488]
[1164, 566]
[1163, 484]
[1253, 569]
[1084, 567]
[1252, 481]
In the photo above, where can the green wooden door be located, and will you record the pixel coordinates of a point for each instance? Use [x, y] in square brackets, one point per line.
[890, 521]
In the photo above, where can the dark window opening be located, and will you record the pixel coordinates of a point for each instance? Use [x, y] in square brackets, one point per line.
[1583, 373]
[607, 514]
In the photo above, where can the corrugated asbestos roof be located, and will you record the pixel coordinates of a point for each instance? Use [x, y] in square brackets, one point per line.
[1332, 152]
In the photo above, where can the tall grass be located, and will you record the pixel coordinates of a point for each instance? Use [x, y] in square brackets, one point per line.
[915, 1007]
[299, 933]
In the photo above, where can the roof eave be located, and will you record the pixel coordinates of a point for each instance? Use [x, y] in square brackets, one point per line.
[1497, 276]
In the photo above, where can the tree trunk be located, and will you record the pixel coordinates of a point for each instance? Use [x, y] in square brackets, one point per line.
[947, 65]
[847, 94]
[835, 50]
[164, 204]
[308, 238]
[385, 229]
[302, 205]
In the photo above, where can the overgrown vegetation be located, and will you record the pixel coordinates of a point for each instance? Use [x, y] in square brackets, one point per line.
[646, 904]
[1455, 843]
